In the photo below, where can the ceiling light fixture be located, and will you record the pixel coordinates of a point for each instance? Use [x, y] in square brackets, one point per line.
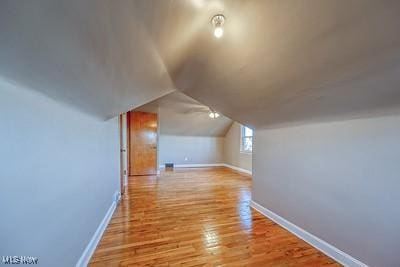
[213, 114]
[218, 22]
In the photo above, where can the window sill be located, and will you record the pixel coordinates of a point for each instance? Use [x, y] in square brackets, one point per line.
[246, 152]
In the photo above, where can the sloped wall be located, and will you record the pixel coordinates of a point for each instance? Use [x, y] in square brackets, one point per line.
[339, 181]
[59, 172]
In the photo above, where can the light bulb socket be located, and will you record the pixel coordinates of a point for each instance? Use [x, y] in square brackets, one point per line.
[218, 20]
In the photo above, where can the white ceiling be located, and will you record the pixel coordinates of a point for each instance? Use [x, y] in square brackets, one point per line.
[182, 115]
[279, 62]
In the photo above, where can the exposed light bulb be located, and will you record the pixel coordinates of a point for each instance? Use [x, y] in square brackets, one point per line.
[213, 115]
[218, 22]
[218, 32]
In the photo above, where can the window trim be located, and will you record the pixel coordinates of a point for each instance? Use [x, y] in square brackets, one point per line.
[242, 138]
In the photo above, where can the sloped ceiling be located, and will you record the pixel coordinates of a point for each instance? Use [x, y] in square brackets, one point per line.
[279, 62]
[93, 54]
[182, 115]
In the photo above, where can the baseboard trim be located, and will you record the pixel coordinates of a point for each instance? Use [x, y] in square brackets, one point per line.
[326, 248]
[209, 165]
[238, 169]
[91, 247]
[195, 165]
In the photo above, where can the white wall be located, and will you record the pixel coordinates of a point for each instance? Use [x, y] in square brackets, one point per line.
[339, 181]
[197, 149]
[204, 149]
[232, 154]
[59, 171]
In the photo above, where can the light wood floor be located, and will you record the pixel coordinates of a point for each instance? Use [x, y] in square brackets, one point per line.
[197, 217]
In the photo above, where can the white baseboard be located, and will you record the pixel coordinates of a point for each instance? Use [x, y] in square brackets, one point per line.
[209, 165]
[333, 252]
[238, 169]
[195, 165]
[90, 248]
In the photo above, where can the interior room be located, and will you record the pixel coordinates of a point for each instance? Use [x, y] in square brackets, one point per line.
[200, 133]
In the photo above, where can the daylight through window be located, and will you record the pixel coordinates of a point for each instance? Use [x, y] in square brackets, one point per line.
[246, 139]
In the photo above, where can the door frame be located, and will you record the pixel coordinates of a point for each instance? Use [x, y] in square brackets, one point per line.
[124, 151]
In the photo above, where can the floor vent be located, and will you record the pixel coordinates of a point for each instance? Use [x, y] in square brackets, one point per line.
[169, 166]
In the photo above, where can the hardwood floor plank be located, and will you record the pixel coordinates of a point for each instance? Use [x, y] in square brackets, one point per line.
[197, 217]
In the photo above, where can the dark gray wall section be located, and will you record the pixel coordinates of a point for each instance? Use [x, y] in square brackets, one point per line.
[339, 181]
[59, 171]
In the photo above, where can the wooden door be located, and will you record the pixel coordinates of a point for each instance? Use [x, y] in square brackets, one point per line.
[142, 143]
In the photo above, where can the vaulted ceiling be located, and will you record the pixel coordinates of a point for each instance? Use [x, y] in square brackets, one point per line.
[181, 115]
[279, 62]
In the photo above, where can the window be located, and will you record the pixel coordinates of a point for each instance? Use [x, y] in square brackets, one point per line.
[246, 140]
